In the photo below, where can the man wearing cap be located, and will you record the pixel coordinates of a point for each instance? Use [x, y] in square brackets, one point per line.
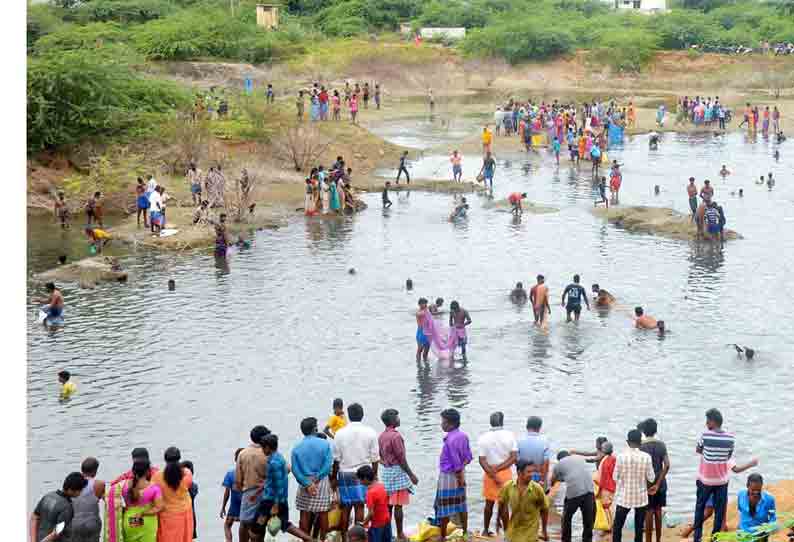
[633, 473]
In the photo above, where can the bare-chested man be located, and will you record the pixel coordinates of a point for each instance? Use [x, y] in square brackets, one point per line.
[422, 341]
[642, 320]
[692, 192]
[707, 192]
[458, 320]
[539, 296]
[53, 304]
[603, 298]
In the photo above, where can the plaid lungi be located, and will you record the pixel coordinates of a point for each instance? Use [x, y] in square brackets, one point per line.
[350, 489]
[394, 479]
[450, 496]
[321, 502]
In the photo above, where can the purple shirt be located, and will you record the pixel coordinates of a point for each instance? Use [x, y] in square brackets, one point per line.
[455, 454]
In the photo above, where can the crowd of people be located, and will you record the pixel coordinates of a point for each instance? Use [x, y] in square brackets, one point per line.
[357, 481]
[325, 103]
[331, 191]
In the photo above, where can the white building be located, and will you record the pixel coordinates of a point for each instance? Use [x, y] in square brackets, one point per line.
[644, 6]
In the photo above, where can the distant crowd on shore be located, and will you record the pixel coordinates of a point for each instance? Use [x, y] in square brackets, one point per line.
[348, 473]
[326, 103]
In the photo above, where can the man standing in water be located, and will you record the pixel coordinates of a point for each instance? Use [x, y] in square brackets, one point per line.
[692, 192]
[457, 168]
[396, 474]
[458, 320]
[402, 169]
[539, 296]
[422, 341]
[488, 169]
[498, 453]
[574, 292]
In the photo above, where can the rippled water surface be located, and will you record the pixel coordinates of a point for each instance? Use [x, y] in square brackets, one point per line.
[286, 329]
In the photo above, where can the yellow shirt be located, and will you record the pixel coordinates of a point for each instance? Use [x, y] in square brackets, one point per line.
[101, 234]
[525, 510]
[68, 388]
[487, 137]
[335, 423]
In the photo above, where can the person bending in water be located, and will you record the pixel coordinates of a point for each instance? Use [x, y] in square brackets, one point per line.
[422, 341]
[460, 210]
[435, 308]
[643, 321]
[724, 172]
[98, 238]
[53, 304]
[515, 200]
[574, 292]
[518, 295]
[602, 297]
[458, 320]
[539, 296]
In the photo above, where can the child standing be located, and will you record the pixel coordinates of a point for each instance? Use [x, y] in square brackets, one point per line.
[555, 147]
[271, 97]
[233, 498]
[275, 497]
[377, 519]
[192, 491]
[337, 420]
[386, 200]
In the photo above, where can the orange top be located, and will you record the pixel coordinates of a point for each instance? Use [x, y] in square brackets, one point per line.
[174, 500]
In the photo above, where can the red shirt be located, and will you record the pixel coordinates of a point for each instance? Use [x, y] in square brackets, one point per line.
[606, 481]
[515, 197]
[378, 505]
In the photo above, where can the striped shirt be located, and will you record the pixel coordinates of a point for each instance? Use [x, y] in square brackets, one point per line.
[716, 450]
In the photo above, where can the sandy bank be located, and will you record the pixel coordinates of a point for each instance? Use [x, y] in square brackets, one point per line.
[528, 207]
[425, 185]
[189, 236]
[87, 272]
[655, 220]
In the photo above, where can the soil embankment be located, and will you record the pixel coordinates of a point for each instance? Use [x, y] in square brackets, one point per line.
[656, 221]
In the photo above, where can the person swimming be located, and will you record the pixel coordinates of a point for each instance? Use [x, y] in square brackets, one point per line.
[643, 321]
[518, 295]
[724, 172]
[602, 297]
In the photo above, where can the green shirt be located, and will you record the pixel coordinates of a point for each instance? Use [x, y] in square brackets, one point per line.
[525, 509]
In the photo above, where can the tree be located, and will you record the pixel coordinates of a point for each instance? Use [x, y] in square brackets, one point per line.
[302, 145]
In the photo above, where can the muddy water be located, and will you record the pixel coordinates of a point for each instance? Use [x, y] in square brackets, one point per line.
[286, 329]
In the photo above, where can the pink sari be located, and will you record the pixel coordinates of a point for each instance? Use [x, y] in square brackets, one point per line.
[443, 340]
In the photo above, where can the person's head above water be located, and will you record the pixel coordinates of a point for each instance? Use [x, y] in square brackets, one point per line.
[64, 376]
[519, 286]
[50, 286]
[576, 279]
[638, 311]
[596, 288]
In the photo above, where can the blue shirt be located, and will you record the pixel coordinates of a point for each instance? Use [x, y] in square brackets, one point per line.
[311, 460]
[764, 511]
[534, 447]
[235, 497]
[276, 489]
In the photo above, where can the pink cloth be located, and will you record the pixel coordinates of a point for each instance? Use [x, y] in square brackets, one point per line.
[147, 496]
[437, 334]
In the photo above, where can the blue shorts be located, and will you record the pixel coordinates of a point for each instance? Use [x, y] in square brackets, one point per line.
[235, 501]
[488, 174]
[714, 229]
[143, 202]
[421, 338]
[457, 169]
[351, 491]
[195, 189]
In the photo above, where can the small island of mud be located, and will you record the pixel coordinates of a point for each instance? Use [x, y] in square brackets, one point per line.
[527, 207]
[87, 272]
[659, 221]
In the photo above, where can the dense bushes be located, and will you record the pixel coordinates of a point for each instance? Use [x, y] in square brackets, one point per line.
[76, 94]
[518, 41]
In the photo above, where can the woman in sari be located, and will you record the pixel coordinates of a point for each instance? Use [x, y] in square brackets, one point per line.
[143, 501]
[340, 192]
[315, 107]
[176, 517]
[334, 196]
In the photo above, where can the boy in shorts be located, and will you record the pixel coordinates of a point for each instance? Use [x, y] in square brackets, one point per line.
[233, 498]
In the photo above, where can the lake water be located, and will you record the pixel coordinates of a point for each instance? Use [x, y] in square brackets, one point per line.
[286, 329]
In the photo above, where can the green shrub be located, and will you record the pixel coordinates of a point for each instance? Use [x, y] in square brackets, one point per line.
[626, 51]
[126, 11]
[680, 29]
[453, 13]
[519, 40]
[41, 20]
[70, 36]
[81, 93]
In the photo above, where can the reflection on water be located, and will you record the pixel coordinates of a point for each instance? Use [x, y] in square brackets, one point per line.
[284, 329]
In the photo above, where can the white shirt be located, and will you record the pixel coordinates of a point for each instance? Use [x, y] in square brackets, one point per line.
[151, 185]
[499, 116]
[496, 445]
[155, 202]
[633, 472]
[355, 445]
